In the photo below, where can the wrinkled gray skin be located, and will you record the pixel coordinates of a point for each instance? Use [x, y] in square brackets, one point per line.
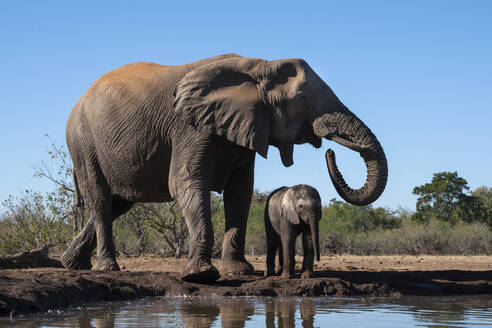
[288, 213]
[151, 133]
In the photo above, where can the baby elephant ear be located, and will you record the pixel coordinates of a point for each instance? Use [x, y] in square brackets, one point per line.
[287, 208]
[223, 98]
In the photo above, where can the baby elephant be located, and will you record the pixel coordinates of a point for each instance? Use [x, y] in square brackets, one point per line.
[288, 212]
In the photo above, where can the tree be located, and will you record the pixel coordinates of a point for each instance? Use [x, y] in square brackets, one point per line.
[59, 170]
[484, 195]
[445, 198]
[259, 196]
[167, 219]
[347, 218]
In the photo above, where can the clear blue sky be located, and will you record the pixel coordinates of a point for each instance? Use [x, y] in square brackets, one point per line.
[419, 73]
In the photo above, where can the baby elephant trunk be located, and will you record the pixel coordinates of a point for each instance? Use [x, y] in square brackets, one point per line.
[313, 223]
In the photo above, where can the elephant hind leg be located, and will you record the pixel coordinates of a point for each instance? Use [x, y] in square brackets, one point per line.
[100, 204]
[78, 254]
[273, 244]
[106, 253]
[92, 188]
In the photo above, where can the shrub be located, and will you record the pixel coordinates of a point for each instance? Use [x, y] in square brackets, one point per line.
[31, 221]
[435, 237]
[470, 239]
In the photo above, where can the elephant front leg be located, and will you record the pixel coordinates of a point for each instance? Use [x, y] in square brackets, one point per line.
[288, 250]
[280, 259]
[308, 251]
[237, 200]
[195, 203]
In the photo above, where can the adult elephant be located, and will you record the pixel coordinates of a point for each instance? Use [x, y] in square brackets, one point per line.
[151, 133]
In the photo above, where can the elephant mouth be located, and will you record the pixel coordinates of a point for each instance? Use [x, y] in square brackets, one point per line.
[347, 143]
[315, 142]
[287, 148]
[306, 134]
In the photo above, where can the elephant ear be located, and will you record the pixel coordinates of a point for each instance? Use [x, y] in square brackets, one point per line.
[281, 82]
[223, 98]
[287, 209]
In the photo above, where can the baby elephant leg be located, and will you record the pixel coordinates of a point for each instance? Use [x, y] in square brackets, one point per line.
[308, 260]
[273, 243]
[288, 250]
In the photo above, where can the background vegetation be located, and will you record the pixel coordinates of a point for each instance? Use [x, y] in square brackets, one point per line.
[448, 219]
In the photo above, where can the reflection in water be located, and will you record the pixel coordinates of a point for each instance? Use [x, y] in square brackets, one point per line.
[235, 312]
[285, 311]
[272, 312]
[197, 315]
[307, 312]
[107, 320]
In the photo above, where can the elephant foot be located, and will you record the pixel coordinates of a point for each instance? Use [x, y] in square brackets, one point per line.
[200, 271]
[78, 254]
[106, 264]
[270, 273]
[308, 274]
[75, 262]
[237, 267]
[76, 257]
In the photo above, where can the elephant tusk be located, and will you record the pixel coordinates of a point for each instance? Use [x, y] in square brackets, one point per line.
[348, 144]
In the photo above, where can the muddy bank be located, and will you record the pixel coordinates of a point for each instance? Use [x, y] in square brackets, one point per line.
[35, 290]
[36, 258]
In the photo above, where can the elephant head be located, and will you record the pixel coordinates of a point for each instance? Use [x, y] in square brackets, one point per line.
[257, 103]
[302, 203]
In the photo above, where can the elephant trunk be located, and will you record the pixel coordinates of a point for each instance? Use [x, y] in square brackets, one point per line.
[313, 223]
[348, 130]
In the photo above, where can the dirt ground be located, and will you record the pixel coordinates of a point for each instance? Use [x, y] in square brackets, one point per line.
[334, 262]
[41, 289]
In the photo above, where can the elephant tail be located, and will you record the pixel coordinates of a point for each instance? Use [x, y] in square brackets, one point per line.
[79, 201]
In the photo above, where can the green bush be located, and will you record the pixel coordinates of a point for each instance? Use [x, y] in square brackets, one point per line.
[470, 239]
[31, 221]
[343, 218]
[255, 235]
[435, 237]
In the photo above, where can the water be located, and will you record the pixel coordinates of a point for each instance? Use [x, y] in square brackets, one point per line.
[463, 311]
